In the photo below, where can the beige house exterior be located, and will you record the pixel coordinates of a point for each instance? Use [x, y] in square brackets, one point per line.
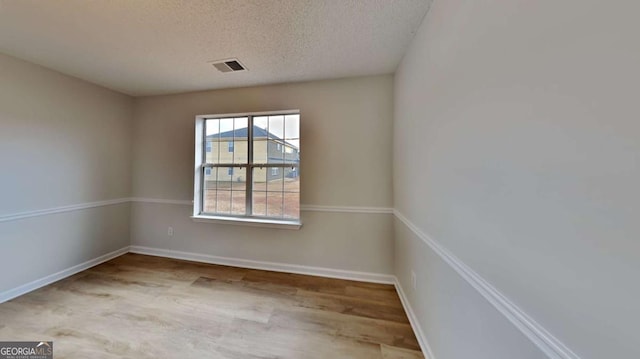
[232, 148]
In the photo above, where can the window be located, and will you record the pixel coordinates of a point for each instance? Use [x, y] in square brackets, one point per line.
[257, 180]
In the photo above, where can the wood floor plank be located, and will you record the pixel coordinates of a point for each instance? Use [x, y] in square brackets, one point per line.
[138, 306]
[357, 328]
[389, 352]
[358, 306]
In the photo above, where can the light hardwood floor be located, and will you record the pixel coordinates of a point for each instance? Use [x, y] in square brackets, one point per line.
[139, 306]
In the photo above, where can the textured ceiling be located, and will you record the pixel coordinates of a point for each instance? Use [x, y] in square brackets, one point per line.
[145, 47]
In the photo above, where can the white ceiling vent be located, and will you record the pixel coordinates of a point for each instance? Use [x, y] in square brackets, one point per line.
[228, 65]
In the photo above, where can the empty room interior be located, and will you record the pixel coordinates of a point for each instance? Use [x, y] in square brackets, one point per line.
[397, 179]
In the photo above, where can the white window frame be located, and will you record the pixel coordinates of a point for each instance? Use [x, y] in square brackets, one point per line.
[198, 184]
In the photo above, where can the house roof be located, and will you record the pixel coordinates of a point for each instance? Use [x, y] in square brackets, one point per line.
[258, 132]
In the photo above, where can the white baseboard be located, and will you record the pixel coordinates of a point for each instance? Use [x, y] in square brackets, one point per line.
[415, 324]
[39, 283]
[271, 266]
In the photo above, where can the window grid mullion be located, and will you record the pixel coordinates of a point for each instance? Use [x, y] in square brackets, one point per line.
[249, 176]
[218, 161]
[203, 159]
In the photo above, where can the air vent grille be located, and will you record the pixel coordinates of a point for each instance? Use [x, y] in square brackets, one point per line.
[228, 65]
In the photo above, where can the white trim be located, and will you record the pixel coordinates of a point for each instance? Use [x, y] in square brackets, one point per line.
[162, 201]
[39, 283]
[246, 114]
[249, 221]
[544, 340]
[415, 324]
[271, 266]
[346, 209]
[304, 207]
[76, 207]
[62, 209]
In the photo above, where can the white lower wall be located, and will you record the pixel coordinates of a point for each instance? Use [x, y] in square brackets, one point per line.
[360, 242]
[36, 247]
[456, 320]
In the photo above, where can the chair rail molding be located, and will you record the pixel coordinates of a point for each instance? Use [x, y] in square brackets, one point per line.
[61, 209]
[542, 338]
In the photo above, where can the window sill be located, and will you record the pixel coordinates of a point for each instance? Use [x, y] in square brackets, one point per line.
[251, 222]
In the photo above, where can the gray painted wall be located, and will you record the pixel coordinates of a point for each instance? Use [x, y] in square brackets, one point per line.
[63, 141]
[346, 131]
[517, 147]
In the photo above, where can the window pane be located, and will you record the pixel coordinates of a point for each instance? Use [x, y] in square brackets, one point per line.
[276, 127]
[238, 202]
[259, 203]
[292, 127]
[291, 205]
[210, 177]
[261, 122]
[218, 187]
[225, 141]
[223, 202]
[292, 174]
[259, 151]
[291, 180]
[275, 151]
[233, 151]
[240, 151]
[212, 128]
[291, 153]
[212, 132]
[211, 151]
[260, 178]
[226, 127]
[274, 204]
[238, 178]
[240, 124]
[275, 179]
[209, 193]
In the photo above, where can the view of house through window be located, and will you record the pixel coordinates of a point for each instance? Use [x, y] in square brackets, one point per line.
[251, 166]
